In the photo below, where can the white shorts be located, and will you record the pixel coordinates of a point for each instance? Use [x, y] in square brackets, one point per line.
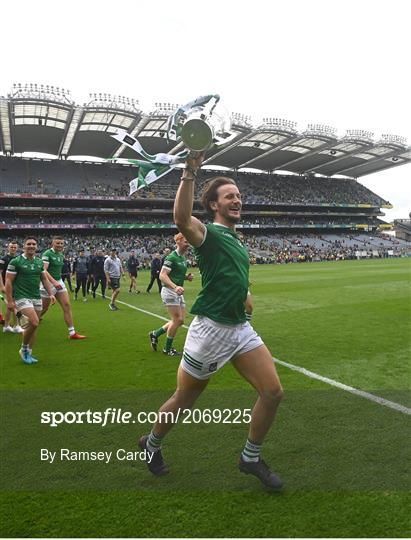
[44, 293]
[171, 298]
[209, 345]
[24, 303]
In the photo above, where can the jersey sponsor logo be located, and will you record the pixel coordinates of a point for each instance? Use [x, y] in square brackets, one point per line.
[234, 238]
[212, 367]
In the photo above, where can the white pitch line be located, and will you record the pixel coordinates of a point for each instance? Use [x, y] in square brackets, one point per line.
[342, 386]
[371, 397]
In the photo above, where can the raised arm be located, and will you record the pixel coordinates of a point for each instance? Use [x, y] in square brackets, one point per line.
[188, 225]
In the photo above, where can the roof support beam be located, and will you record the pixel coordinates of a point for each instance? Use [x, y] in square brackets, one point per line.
[275, 148]
[71, 130]
[363, 146]
[369, 161]
[315, 151]
[5, 126]
[233, 145]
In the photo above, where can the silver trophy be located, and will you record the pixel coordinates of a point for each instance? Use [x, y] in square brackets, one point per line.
[201, 124]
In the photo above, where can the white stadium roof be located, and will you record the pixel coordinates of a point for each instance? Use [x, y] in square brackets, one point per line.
[45, 119]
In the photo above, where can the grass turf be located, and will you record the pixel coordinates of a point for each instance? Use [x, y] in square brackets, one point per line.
[343, 458]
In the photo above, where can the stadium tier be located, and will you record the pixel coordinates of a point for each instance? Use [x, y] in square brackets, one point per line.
[41, 177]
[263, 248]
[285, 218]
[306, 185]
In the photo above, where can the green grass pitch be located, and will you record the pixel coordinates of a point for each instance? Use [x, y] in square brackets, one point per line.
[343, 458]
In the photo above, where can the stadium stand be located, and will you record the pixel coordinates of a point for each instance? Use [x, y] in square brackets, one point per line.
[70, 178]
[403, 229]
[302, 202]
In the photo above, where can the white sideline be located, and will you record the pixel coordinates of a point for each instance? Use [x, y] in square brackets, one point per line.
[371, 397]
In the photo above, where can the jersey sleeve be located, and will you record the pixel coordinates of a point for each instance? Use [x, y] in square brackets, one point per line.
[45, 257]
[168, 262]
[13, 266]
[208, 242]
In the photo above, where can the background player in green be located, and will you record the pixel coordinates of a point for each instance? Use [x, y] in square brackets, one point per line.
[23, 277]
[172, 276]
[220, 333]
[4, 262]
[53, 260]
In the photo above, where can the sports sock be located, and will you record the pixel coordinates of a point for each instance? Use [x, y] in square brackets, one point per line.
[71, 330]
[169, 342]
[159, 332]
[251, 451]
[25, 348]
[154, 442]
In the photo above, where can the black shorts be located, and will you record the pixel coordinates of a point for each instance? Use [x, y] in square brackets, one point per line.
[115, 283]
[133, 273]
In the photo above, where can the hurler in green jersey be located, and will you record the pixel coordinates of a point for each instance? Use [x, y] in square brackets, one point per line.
[172, 275]
[23, 277]
[220, 332]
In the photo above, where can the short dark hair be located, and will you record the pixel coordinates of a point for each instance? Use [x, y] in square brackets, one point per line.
[57, 238]
[210, 192]
[13, 242]
[30, 238]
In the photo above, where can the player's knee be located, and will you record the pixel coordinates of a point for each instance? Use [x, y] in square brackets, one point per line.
[272, 395]
[184, 398]
[34, 322]
[180, 321]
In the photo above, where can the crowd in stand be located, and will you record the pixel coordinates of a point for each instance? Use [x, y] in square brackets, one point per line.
[273, 248]
[106, 190]
[256, 188]
[144, 219]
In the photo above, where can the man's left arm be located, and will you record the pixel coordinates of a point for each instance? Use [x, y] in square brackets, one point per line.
[49, 277]
[46, 283]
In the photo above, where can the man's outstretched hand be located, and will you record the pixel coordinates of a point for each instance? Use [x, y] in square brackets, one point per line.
[194, 160]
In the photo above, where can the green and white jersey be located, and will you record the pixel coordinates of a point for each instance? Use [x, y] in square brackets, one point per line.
[27, 281]
[224, 265]
[55, 260]
[178, 267]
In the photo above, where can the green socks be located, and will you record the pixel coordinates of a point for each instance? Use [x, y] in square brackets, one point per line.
[159, 332]
[169, 342]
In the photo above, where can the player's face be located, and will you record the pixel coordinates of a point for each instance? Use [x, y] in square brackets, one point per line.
[182, 244]
[58, 245]
[229, 204]
[30, 247]
[12, 248]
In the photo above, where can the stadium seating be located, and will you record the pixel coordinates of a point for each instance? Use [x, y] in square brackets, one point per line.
[105, 179]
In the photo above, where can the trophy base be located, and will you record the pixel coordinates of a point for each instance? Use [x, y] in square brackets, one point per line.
[197, 135]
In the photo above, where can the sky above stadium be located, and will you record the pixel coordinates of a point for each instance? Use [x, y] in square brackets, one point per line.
[318, 61]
